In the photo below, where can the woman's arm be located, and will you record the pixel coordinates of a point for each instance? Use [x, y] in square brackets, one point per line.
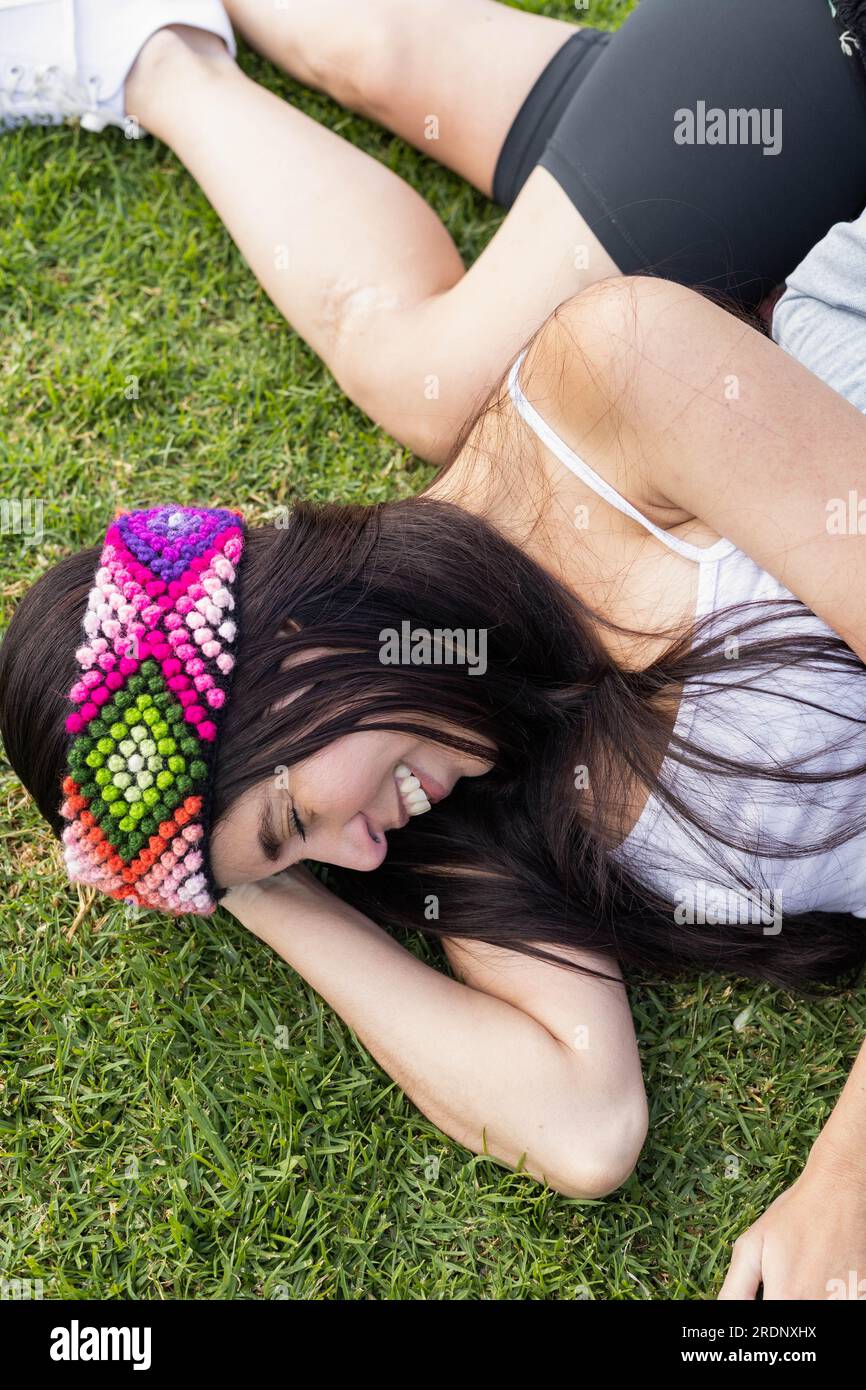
[692, 413]
[563, 1089]
[841, 1145]
[811, 1242]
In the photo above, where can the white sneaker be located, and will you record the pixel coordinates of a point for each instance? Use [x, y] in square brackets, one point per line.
[65, 58]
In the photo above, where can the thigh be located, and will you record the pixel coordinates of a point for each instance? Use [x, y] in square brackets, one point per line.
[448, 76]
[715, 141]
[462, 70]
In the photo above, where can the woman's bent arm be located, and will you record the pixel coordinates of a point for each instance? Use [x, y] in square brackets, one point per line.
[571, 1111]
[692, 412]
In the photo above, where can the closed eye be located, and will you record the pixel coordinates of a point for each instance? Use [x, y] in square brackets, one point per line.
[271, 841]
[297, 823]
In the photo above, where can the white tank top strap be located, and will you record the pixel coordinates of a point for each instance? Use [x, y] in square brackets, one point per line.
[699, 554]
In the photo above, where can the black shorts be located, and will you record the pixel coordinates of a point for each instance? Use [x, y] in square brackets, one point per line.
[658, 134]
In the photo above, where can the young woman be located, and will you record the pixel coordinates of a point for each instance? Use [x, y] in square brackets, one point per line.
[661, 763]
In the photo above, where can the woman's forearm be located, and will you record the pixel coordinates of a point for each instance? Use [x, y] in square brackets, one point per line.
[841, 1145]
[487, 1074]
[810, 1243]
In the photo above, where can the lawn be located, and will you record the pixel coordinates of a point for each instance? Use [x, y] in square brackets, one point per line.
[180, 1114]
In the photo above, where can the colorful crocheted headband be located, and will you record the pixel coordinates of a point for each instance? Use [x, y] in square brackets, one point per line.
[155, 674]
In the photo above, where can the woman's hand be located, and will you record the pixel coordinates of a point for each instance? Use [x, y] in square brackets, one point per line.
[810, 1243]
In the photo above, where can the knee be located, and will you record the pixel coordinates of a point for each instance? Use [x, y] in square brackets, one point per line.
[398, 408]
[173, 58]
[376, 361]
[416, 423]
[360, 60]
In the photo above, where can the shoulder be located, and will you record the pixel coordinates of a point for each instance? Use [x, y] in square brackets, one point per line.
[607, 371]
[621, 333]
[611, 367]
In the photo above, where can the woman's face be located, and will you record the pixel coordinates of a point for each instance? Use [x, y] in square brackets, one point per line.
[344, 798]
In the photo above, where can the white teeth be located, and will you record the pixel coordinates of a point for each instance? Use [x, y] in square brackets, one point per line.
[412, 793]
[414, 801]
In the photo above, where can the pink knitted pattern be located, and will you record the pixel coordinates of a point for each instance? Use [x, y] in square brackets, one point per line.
[154, 677]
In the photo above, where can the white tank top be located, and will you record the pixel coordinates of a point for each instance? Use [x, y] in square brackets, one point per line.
[698, 872]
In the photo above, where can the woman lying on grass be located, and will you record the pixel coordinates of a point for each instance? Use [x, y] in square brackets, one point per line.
[645, 751]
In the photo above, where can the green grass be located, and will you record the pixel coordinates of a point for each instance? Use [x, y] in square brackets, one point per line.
[181, 1115]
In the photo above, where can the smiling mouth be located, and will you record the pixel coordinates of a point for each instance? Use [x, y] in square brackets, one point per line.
[413, 797]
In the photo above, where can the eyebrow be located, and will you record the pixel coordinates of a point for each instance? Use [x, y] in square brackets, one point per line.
[270, 844]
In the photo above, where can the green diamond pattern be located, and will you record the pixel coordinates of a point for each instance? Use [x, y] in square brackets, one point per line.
[137, 761]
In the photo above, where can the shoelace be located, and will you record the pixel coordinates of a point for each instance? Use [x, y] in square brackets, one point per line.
[52, 92]
[58, 86]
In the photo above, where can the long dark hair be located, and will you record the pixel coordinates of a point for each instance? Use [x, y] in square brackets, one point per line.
[517, 857]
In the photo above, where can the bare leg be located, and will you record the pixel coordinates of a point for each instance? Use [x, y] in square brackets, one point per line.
[448, 76]
[356, 260]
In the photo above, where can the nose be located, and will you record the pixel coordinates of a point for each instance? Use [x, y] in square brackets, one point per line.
[354, 847]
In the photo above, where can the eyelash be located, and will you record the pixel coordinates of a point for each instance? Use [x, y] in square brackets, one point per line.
[273, 846]
[296, 823]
